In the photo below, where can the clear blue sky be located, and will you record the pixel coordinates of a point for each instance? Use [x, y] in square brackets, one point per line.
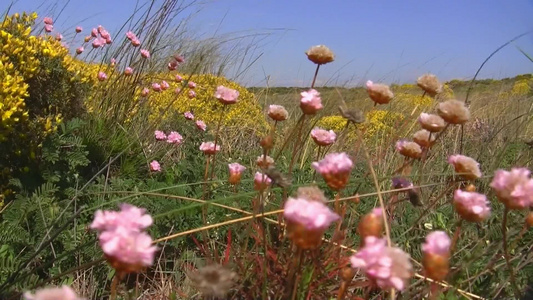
[387, 41]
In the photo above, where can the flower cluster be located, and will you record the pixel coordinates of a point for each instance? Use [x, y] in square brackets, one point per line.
[121, 235]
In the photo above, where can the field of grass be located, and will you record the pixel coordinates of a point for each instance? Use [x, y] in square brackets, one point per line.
[81, 136]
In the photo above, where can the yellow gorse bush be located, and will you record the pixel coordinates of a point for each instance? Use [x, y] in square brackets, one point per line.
[246, 113]
[521, 87]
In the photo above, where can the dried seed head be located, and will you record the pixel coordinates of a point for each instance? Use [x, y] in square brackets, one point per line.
[320, 55]
[277, 177]
[424, 138]
[264, 161]
[379, 93]
[213, 280]
[430, 84]
[453, 111]
[311, 193]
[352, 114]
[430, 122]
[409, 149]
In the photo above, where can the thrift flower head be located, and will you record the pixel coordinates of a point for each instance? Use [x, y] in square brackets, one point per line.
[188, 115]
[514, 188]
[453, 111]
[465, 165]
[320, 55]
[307, 220]
[201, 125]
[401, 183]
[192, 85]
[79, 29]
[264, 162]
[145, 92]
[145, 53]
[79, 50]
[226, 95]
[424, 138]
[261, 181]
[178, 78]
[235, 173]
[48, 20]
[310, 102]
[155, 166]
[164, 85]
[177, 91]
[130, 35]
[371, 224]
[436, 251]
[379, 93]
[102, 76]
[128, 71]
[98, 42]
[180, 59]
[160, 135]
[209, 148]
[135, 42]
[430, 84]
[156, 87]
[54, 293]
[172, 66]
[335, 168]
[409, 149]
[471, 206]
[432, 123]
[94, 32]
[277, 113]
[59, 37]
[126, 246]
[87, 38]
[174, 138]
[191, 94]
[388, 266]
[48, 27]
[323, 137]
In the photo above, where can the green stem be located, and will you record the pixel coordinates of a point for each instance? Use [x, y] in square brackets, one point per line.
[216, 140]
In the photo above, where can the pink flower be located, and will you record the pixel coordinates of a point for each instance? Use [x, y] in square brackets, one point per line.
[178, 78]
[179, 58]
[189, 116]
[128, 71]
[177, 91]
[131, 36]
[54, 293]
[79, 29]
[79, 50]
[514, 188]
[379, 93]
[261, 181]
[432, 123]
[102, 76]
[209, 148]
[437, 242]
[191, 85]
[160, 135]
[409, 149]
[264, 161]
[98, 42]
[201, 125]
[129, 216]
[126, 246]
[59, 37]
[313, 215]
[48, 21]
[145, 92]
[145, 53]
[105, 34]
[156, 87]
[468, 167]
[94, 32]
[164, 85]
[471, 206]
[310, 102]
[226, 95]
[108, 41]
[235, 172]
[191, 94]
[174, 138]
[172, 66]
[113, 61]
[135, 42]
[48, 27]
[388, 266]
[277, 113]
[323, 137]
[335, 168]
[155, 166]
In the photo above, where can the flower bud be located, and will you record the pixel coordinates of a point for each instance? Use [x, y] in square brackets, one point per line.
[371, 224]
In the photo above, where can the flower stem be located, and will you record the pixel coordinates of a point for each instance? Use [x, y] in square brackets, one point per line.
[296, 144]
[506, 254]
[114, 284]
[314, 77]
[456, 235]
[216, 140]
[297, 268]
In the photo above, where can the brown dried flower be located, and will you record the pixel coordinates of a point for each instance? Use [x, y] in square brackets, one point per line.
[213, 280]
[320, 55]
[277, 113]
[430, 84]
[352, 114]
[277, 177]
[409, 149]
[379, 93]
[430, 122]
[424, 138]
[311, 193]
[453, 111]
[264, 162]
